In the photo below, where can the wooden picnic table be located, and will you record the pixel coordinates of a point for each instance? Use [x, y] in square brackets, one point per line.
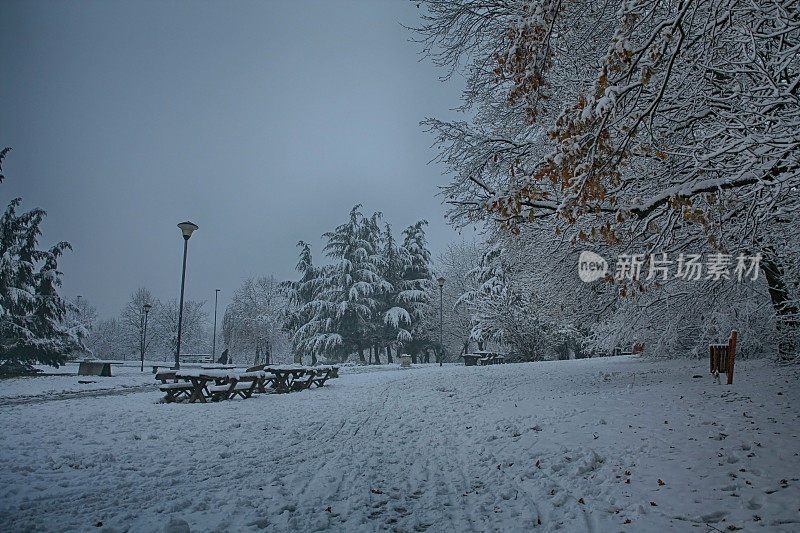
[216, 384]
[200, 380]
[202, 385]
[284, 377]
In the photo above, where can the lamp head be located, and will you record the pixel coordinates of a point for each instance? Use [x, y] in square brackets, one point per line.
[187, 228]
[441, 281]
[147, 308]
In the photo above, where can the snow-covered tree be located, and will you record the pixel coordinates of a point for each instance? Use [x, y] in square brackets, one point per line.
[33, 326]
[131, 322]
[456, 264]
[82, 314]
[347, 300]
[373, 296]
[395, 318]
[253, 325]
[104, 340]
[628, 123]
[417, 292]
[195, 334]
[301, 294]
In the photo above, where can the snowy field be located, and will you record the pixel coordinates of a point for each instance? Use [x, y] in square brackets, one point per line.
[615, 444]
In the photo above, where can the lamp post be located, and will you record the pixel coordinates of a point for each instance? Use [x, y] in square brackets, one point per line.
[186, 229]
[441, 318]
[146, 308]
[214, 342]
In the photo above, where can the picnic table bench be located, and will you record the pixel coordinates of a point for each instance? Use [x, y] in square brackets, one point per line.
[216, 384]
[322, 375]
[231, 389]
[483, 358]
[284, 378]
[196, 358]
[470, 359]
[175, 389]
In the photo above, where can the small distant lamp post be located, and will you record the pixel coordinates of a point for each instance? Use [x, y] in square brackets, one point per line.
[214, 342]
[441, 318]
[146, 308]
[187, 228]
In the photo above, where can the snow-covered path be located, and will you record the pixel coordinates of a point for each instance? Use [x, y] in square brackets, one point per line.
[438, 449]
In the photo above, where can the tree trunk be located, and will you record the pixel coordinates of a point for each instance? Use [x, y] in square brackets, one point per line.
[377, 354]
[414, 358]
[786, 312]
[267, 356]
[313, 359]
[389, 354]
[258, 356]
[361, 354]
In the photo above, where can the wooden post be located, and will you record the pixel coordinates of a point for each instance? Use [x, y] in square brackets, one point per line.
[711, 358]
[731, 355]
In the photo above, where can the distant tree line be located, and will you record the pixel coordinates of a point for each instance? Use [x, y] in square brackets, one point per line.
[121, 337]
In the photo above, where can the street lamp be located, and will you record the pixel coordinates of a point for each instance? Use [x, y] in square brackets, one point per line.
[441, 318]
[214, 342]
[187, 228]
[146, 308]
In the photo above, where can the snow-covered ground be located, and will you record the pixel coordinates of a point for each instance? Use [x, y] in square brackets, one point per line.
[64, 382]
[573, 445]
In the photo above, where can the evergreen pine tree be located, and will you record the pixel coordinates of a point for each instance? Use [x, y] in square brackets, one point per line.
[33, 325]
[302, 295]
[352, 283]
[395, 318]
[416, 288]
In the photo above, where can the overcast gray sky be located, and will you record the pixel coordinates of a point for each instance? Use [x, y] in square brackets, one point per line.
[262, 122]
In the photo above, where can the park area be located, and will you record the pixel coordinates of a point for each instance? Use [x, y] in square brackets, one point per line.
[608, 444]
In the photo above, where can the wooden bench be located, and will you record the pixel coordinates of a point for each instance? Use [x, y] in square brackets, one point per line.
[322, 376]
[722, 358]
[470, 359]
[258, 377]
[231, 389]
[175, 390]
[196, 358]
[303, 382]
